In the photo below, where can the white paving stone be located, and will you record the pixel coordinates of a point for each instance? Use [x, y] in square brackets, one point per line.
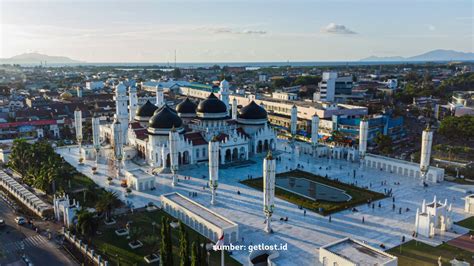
[304, 234]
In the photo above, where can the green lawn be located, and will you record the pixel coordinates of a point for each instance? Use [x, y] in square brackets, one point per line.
[468, 223]
[359, 195]
[116, 248]
[420, 254]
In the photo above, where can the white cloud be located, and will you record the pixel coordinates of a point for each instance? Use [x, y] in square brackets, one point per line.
[227, 30]
[431, 27]
[334, 28]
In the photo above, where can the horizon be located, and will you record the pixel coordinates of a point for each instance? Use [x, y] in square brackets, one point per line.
[268, 31]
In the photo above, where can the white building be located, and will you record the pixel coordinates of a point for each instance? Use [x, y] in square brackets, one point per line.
[139, 180]
[350, 252]
[286, 96]
[327, 88]
[434, 218]
[94, 85]
[469, 204]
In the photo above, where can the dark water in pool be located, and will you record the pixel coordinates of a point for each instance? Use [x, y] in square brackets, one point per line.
[311, 189]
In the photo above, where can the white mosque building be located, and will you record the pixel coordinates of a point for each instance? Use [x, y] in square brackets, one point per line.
[145, 130]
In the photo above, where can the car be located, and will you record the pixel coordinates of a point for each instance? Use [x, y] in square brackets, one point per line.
[20, 220]
[2, 223]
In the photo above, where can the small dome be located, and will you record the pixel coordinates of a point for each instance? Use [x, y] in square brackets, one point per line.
[146, 110]
[212, 105]
[166, 118]
[186, 107]
[121, 88]
[65, 95]
[252, 111]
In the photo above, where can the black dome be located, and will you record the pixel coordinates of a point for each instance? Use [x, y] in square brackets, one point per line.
[146, 110]
[212, 105]
[161, 108]
[166, 118]
[252, 111]
[186, 107]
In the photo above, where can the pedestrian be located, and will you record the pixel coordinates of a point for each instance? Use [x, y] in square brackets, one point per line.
[363, 219]
[304, 212]
[329, 218]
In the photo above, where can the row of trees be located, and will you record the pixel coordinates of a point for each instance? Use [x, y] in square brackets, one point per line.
[458, 128]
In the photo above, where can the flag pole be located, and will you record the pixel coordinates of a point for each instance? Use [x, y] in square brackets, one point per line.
[222, 257]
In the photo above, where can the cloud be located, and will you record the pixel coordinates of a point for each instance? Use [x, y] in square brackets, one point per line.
[226, 30]
[334, 28]
[431, 27]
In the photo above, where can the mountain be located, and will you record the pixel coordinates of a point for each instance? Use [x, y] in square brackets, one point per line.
[36, 59]
[435, 55]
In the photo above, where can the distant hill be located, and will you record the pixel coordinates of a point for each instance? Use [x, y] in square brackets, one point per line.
[36, 58]
[435, 55]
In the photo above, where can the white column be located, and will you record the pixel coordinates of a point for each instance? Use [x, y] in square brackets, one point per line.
[213, 167]
[363, 136]
[224, 93]
[269, 170]
[133, 102]
[426, 142]
[160, 100]
[96, 137]
[234, 108]
[294, 120]
[314, 129]
[121, 109]
[174, 138]
[118, 145]
[78, 125]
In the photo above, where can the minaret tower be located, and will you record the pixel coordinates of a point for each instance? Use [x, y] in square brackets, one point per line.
[426, 142]
[213, 167]
[363, 136]
[234, 108]
[294, 121]
[224, 93]
[160, 98]
[78, 125]
[96, 137]
[174, 138]
[121, 105]
[314, 132]
[118, 145]
[269, 169]
[133, 102]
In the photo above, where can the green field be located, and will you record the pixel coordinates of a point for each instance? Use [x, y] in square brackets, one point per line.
[420, 254]
[116, 248]
[359, 195]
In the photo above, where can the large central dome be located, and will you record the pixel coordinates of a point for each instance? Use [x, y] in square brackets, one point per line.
[252, 111]
[145, 111]
[212, 105]
[166, 118]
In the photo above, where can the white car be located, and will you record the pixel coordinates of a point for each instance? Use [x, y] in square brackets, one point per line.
[20, 220]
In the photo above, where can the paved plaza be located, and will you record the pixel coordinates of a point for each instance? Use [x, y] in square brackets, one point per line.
[303, 233]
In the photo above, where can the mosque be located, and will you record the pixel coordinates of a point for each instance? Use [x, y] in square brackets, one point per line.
[144, 131]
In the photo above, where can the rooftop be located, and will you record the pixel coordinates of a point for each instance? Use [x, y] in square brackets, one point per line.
[358, 253]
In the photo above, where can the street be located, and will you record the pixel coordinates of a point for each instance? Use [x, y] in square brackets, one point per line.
[16, 240]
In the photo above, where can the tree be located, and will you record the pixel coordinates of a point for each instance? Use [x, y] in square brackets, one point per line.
[166, 250]
[86, 223]
[183, 246]
[194, 251]
[384, 143]
[107, 202]
[176, 73]
[281, 82]
[457, 128]
[20, 156]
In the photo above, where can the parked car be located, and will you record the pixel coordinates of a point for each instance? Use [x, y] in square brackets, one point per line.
[2, 223]
[20, 220]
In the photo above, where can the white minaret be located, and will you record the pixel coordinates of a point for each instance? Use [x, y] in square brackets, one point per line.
[294, 120]
[79, 91]
[426, 142]
[213, 167]
[363, 136]
[224, 92]
[78, 125]
[118, 145]
[132, 102]
[96, 137]
[314, 129]
[269, 170]
[234, 108]
[121, 105]
[174, 138]
[160, 99]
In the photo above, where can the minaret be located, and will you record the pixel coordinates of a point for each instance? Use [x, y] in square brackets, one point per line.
[174, 137]
[118, 145]
[314, 132]
[294, 121]
[132, 102]
[234, 108]
[224, 92]
[78, 125]
[96, 137]
[426, 142]
[160, 99]
[213, 167]
[79, 91]
[269, 169]
[121, 105]
[363, 136]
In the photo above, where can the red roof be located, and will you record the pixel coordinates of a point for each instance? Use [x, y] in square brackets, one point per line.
[141, 133]
[29, 123]
[242, 132]
[195, 138]
[222, 136]
[135, 125]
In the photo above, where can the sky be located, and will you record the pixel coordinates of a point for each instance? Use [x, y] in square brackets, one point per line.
[234, 31]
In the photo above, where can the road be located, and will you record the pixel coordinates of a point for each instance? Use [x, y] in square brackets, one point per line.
[16, 240]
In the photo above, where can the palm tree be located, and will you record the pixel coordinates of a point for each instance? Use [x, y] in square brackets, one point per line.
[86, 223]
[107, 202]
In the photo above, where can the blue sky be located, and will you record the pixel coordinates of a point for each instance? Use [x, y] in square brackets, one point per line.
[223, 31]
